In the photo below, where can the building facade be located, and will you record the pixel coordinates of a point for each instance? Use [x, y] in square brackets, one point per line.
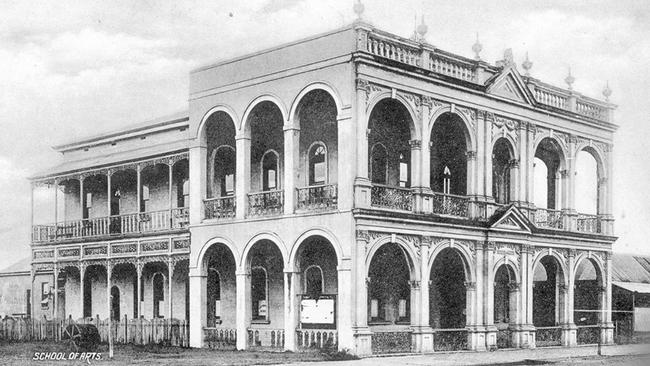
[354, 189]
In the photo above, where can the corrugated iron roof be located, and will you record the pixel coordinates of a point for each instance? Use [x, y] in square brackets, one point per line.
[23, 265]
[629, 268]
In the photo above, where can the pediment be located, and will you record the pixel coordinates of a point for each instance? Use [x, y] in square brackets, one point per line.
[511, 219]
[508, 84]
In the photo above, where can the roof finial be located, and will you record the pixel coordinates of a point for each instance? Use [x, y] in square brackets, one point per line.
[607, 92]
[527, 65]
[477, 48]
[422, 29]
[570, 79]
[358, 9]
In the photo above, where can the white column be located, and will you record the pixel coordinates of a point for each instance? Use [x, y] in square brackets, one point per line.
[345, 309]
[198, 311]
[481, 142]
[607, 333]
[362, 334]
[138, 268]
[82, 272]
[243, 307]
[346, 166]
[55, 298]
[170, 275]
[243, 172]
[109, 278]
[523, 172]
[56, 202]
[198, 158]
[291, 164]
[109, 175]
[170, 175]
[290, 312]
[487, 154]
[81, 196]
[361, 182]
[138, 174]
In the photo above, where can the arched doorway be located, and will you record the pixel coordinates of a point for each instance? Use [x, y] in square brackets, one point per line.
[549, 300]
[548, 165]
[389, 299]
[502, 171]
[505, 304]
[448, 300]
[587, 302]
[115, 303]
[158, 287]
[221, 305]
[221, 166]
[317, 275]
[589, 197]
[389, 151]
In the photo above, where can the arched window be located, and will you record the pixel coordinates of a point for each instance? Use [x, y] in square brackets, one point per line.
[314, 282]
[270, 171]
[404, 170]
[214, 297]
[158, 282]
[224, 170]
[259, 293]
[317, 164]
[446, 181]
[379, 164]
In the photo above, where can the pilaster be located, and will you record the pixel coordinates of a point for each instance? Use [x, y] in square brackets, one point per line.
[291, 164]
[243, 175]
[198, 177]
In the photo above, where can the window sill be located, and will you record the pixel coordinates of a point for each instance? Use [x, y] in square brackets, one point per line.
[379, 322]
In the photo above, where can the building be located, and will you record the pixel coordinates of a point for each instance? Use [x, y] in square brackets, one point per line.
[631, 297]
[354, 188]
[15, 289]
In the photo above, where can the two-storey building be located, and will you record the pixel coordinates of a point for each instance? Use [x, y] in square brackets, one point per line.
[353, 189]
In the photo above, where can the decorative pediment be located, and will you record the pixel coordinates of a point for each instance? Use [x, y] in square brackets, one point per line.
[508, 84]
[511, 219]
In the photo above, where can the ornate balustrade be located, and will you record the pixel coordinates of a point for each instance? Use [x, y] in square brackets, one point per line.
[134, 223]
[269, 338]
[588, 223]
[220, 338]
[393, 49]
[317, 338]
[455, 68]
[322, 197]
[588, 334]
[395, 198]
[265, 203]
[219, 208]
[548, 336]
[449, 339]
[591, 110]
[547, 218]
[552, 98]
[449, 204]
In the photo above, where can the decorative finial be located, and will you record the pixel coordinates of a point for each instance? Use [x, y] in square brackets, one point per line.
[508, 58]
[570, 79]
[358, 9]
[607, 92]
[527, 65]
[422, 29]
[477, 48]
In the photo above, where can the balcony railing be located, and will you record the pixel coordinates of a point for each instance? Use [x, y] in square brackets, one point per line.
[548, 218]
[588, 223]
[548, 336]
[219, 208]
[449, 204]
[265, 203]
[314, 198]
[177, 218]
[395, 198]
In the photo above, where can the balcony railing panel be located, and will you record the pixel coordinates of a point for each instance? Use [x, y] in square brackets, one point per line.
[317, 338]
[449, 339]
[548, 336]
[588, 223]
[133, 223]
[548, 218]
[220, 207]
[314, 198]
[456, 69]
[265, 203]
[395, 198]
[591, 110]
[448, 204]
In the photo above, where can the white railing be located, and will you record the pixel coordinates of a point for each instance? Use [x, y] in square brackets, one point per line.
[449, 204]
[317, 338]
[588, 223]
[449, 67]
[220, 207]
[551, 98]
[548, 218]
[265, 203]
[591, 110]
[393, 49]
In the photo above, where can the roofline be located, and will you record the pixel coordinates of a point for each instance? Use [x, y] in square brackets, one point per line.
[146, 126]
[15, 273]
[274, 48]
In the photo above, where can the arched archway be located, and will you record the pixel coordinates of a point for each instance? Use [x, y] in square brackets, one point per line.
[549, 301]
[589, 190]
[502, 171]
[505, 304]
[448, 155]
[220, 265]
[221, 149]
[588, 298]
[549, 190]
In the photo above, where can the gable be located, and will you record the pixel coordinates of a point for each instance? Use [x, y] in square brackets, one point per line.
[508, 84]
[511, 220]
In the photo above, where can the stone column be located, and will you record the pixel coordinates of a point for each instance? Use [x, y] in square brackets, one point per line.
[526, 338]
[569, 208]
[243, 175]
[109, 175]
[291, 163]
[290, 310]
[362, 334]
[567, 293]
[523, 172]
[489, 119]
[170, 176]
[488, 295]
[423, 334]
[416, 175]
[244, 311]
[606, 325]
[345, 309]
[198, 313]
[198, 179]
[138, 176]
[362, 184]
[515, 177]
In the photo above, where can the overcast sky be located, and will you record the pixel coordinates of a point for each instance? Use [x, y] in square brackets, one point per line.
[73, 69]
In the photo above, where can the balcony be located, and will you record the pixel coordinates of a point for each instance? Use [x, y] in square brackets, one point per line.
[135, 223]
[547, 218]
[449, 204]
[268, 203]
[395, 198]
[219, 208]
[317, 198]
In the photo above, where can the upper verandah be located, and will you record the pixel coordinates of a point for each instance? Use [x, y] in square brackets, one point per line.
[501, 80]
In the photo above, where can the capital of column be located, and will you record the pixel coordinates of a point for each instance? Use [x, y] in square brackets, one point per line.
[471, 155]
[470, 285]
[415, 144]
[490, 246]
[363, 235]
[415, 285]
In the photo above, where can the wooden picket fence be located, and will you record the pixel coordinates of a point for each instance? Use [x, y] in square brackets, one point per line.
[171, 332]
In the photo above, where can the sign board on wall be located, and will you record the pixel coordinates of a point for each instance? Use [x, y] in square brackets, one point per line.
[319, 311]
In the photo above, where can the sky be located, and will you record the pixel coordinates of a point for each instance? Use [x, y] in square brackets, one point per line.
[70, 69]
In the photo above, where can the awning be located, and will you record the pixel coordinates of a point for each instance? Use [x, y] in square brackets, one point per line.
[643, 288]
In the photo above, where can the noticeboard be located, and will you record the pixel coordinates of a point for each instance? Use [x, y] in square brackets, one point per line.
[318, 312]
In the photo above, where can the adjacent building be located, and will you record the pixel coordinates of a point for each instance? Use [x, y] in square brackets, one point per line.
[354, 189]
